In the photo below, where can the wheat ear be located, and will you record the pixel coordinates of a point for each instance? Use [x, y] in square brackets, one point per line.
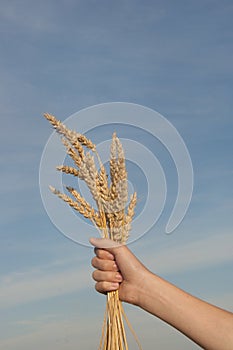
[68, 170]
[131, 208]
[71, 135]
[82, 209]
[72, 153]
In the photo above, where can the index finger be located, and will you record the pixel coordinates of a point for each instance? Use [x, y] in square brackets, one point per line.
[103, 254]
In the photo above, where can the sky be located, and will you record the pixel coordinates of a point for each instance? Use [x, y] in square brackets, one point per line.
[174, 57]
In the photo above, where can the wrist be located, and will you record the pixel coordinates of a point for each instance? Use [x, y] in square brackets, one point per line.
[154, 295]
[142, 288]
[134, 291]
[144, 294]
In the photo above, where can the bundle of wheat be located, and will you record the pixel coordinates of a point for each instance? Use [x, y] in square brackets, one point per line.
[113, 217]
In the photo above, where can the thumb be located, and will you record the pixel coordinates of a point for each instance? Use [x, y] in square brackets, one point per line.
[126, 260]
[104, 243]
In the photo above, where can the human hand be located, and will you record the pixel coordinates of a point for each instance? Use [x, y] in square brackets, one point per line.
[118, 268]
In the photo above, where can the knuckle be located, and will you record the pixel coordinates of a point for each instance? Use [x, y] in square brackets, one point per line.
[99, 287]
[96, 250]
[94, 275]
[104, 265]
[99, 253]
[106, 286]
[93, 261]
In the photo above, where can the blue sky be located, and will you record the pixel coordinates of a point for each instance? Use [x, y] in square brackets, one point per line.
[63, 56]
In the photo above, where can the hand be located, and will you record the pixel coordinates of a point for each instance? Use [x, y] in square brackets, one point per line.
[117, 268]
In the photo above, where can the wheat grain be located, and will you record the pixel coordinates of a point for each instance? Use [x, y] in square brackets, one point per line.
[118, 188]
[131, 208]
[113, 167]
[122, 186]
[68, 170]
[71, 152]
[102, 184]
[88, 173]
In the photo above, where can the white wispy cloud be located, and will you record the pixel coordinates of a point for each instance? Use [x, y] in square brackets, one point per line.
[20, 288]
[66, 334]
[201, 253]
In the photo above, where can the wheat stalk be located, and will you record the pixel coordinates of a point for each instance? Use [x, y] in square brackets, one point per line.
[113, 216]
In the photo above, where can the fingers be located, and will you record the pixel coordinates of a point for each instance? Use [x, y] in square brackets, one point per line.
[116, 250]
[107, 281]
[104, 287]
[108, 249]
[104, 254]
[107, 276]
[104, 265]
[110, 259]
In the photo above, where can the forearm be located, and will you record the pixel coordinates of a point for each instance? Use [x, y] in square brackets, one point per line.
[205, 324]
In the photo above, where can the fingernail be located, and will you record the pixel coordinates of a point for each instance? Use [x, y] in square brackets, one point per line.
[118, 277]
[115, 285]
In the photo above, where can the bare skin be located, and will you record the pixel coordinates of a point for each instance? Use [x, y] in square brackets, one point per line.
[116, 267]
